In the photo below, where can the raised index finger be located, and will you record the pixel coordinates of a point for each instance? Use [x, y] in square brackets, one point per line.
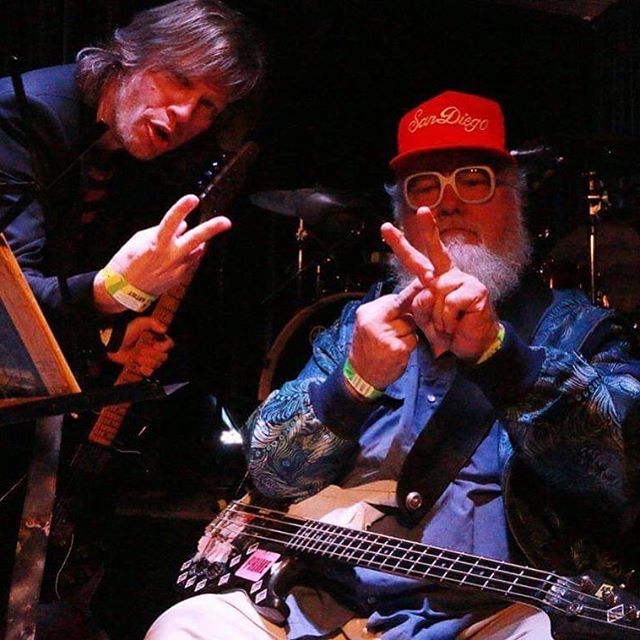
[399, 304]
[411, 259]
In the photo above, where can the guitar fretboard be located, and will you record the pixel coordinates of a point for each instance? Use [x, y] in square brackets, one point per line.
[402, 557]
[110, 419]
[213, 198]
[419, 561]
[603, 612]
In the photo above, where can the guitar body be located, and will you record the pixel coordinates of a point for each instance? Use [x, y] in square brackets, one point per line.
[77, 544]
[243, 564]
[252, 548]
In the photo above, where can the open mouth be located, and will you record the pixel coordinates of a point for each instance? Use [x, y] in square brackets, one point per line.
[160, 132]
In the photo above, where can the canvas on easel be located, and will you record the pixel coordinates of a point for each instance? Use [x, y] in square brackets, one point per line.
[32, 367]
[31, 362]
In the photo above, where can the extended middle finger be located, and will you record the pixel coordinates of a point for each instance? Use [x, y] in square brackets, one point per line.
[434, 247]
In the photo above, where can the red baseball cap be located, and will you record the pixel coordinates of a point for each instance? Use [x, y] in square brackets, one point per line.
[451, 120]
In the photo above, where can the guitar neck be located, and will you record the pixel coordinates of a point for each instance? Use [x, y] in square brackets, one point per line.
[111, 418]
[247, 540]
[414, 560]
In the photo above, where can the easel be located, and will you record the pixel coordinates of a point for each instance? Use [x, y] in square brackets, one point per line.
[44, 390]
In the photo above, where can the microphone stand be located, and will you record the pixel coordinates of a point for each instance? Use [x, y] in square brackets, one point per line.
[597, 200]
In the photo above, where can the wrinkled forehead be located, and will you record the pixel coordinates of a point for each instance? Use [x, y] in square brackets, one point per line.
[447, 161]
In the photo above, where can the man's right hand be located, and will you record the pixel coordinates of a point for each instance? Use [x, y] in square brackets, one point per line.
[384, 337]
[158, 258]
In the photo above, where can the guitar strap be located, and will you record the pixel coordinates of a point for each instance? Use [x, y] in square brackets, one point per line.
[462, 420]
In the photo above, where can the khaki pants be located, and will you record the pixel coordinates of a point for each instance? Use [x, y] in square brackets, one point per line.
[231, 616]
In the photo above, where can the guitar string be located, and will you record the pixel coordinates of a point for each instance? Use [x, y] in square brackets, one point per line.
[428, 551]
[242, 521]
[248, 528]
[262, 532]
[252, 529]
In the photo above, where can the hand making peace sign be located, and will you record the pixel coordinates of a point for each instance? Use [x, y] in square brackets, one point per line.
[453, 309]
[156, 259]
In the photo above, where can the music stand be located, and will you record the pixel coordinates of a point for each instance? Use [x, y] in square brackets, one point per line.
[37, 383]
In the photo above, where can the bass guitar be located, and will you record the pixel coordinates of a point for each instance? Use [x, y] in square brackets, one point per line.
[249, 547]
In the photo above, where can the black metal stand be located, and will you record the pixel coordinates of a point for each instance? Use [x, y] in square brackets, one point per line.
[85, 401]
[35, 524]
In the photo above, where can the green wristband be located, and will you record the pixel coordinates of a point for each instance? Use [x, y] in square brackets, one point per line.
[494, 347]
[361, 386]
[126, 294]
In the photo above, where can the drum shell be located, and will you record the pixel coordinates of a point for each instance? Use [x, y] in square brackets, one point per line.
[292, 347]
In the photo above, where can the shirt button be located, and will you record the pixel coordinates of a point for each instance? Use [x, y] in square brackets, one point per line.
[413, 501]
[431, 398]
[371, 600]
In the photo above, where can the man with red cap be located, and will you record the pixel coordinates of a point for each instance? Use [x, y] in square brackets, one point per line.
[485, 423]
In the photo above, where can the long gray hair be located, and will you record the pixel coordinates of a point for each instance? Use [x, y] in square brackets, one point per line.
[195, 39]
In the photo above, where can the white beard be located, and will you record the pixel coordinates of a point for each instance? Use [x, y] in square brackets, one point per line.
[500, 273]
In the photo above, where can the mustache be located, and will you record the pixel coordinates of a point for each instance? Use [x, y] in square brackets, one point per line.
[499, 273]
[447, 225]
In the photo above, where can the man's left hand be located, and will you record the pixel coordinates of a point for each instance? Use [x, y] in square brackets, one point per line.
[453, 310]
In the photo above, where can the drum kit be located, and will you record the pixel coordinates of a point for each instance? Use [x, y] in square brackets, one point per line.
[584, 219]
[334, 238]
[584, 215]
[338, 255]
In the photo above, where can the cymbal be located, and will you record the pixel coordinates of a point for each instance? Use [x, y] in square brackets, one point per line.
[310, 204]
[608, 154]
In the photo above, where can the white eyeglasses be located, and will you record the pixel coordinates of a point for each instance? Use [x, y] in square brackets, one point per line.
[473, 185]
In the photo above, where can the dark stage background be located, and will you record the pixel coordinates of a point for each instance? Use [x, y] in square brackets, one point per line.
[341, 75]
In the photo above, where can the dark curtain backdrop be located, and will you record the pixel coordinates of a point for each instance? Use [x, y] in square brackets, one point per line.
[617, 70]
[342, 73]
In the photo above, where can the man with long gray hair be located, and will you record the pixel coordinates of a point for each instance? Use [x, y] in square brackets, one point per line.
[75, 137]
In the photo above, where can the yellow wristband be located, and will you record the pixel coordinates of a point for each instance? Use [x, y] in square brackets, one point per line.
[361, 386]
[126, 294]
[494, 347]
